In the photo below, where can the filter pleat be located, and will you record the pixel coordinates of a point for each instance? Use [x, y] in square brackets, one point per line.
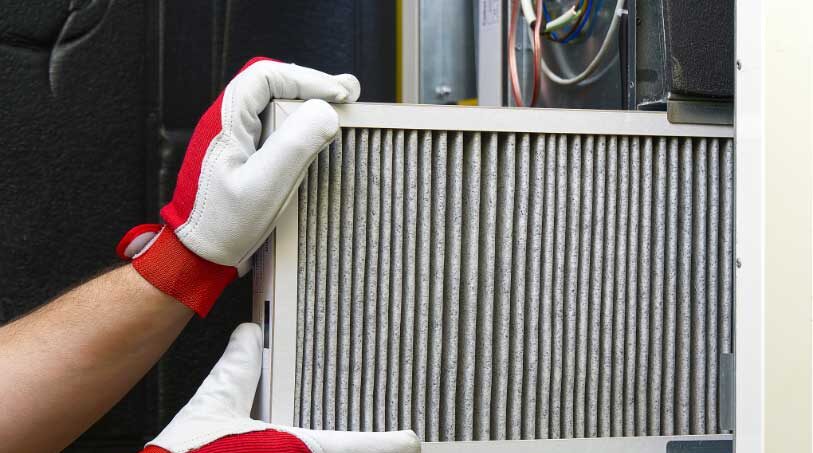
[558, 299]
[415, 143]
[371, 281]
[502, 286]
[516, 356]
[534, 281]
[607, 301]
[422, 269]
[644, 294]
[656, 325]
[301, 296]
[670, 290]
[620, 294]
[485, 290]
[587, 326]
[469, 277]
[359, 282]
[333, 247]
[320, 302]
[546, 313]
[712, 284]
[345, 279]
[684, 293]
[393, 407]
[380, 361]
[309, 345]
[631, 339]
[451, 293]
[571, 286]
[592, 250]
[698, 319]
[436, 285]
[726, 249]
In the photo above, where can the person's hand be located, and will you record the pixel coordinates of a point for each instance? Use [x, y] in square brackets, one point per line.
[231, 188]
[216, 419]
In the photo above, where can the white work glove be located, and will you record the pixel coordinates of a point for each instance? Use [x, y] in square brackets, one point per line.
[231, 188]
[216, 419]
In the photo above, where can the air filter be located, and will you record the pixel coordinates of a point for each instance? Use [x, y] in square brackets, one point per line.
[485, 274]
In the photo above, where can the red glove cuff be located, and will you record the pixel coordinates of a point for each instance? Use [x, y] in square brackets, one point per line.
[172, 268]
[269, 440]
[153, 449]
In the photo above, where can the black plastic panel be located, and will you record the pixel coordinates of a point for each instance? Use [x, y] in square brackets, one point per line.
[94, 123]
[700, 47]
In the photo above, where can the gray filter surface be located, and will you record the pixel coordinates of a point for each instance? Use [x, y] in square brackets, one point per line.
[477, 286]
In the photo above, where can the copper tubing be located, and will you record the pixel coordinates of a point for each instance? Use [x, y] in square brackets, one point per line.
[512, 53]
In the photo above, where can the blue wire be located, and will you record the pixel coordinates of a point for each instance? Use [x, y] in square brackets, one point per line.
[592, 26]
[581, 24]
[547, 17]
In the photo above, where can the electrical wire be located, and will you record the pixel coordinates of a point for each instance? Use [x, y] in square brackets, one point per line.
[592, 23]
[562, 21]
[574, 32]
[617, 12]
[535, 21]
[580, 10]
[551, 25]
[528, 11]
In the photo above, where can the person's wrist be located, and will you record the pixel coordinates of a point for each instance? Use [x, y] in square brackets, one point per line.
[167, 264]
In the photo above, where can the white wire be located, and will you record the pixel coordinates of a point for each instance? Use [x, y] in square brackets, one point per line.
[528, 11]
[619, 5]
[564, 19]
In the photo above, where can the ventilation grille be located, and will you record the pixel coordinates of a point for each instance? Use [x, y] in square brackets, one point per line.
[514, 286]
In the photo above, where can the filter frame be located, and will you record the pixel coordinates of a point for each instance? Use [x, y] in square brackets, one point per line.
[275, 267]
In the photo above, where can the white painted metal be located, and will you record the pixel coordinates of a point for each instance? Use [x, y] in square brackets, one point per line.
[750, 227]
[275, 295]
[489, 53]
[410, 50]
[494, 119]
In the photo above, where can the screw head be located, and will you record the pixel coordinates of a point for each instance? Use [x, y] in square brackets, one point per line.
[443, 91]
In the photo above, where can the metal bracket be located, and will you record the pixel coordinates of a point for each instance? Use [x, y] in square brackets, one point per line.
[690, 110]
[728, 404]
[700, 446]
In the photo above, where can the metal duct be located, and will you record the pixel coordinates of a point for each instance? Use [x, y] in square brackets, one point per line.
[474, 285]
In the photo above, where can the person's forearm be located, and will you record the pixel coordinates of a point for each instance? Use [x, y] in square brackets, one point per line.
[65, 365]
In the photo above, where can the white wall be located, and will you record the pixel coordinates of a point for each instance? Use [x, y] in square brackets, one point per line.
[788, 231]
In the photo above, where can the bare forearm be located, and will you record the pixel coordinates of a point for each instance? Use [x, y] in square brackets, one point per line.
[67, 364]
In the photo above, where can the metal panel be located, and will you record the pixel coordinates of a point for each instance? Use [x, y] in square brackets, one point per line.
[489, 52]
[514, 285]
[447, 47]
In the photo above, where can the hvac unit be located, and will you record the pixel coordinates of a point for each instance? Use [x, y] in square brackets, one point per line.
[515, 279]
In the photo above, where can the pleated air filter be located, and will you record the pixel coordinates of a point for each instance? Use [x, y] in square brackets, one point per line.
[490, 274]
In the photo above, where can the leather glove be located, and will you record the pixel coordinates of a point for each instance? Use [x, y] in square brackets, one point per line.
[216, 419]
[231, 188]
